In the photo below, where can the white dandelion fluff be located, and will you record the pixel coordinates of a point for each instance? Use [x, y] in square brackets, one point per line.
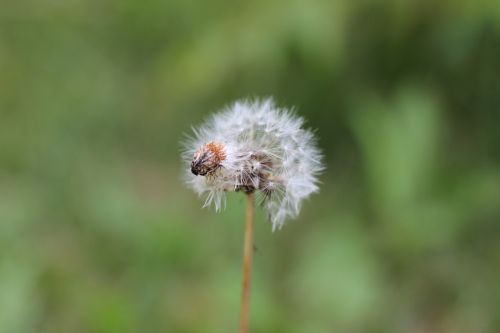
[254, 146]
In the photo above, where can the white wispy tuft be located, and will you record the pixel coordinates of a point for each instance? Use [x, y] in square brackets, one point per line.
[254, 146]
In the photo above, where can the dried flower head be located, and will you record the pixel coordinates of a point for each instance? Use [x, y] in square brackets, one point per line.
[254, 147]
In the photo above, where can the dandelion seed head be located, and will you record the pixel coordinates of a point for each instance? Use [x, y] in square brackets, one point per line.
[254, 146]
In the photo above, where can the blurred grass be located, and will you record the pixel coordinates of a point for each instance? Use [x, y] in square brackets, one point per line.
[98, 233]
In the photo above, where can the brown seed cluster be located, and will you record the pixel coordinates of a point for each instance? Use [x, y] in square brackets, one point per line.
[208, 158]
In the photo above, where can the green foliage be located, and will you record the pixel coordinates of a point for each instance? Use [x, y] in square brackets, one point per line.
[98, 233]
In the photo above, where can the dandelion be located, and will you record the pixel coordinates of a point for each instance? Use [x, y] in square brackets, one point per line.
[254, 147]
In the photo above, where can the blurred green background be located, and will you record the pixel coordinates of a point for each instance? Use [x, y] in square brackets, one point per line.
[99, 234]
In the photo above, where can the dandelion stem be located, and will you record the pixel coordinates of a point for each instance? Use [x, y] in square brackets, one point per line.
[247, 265]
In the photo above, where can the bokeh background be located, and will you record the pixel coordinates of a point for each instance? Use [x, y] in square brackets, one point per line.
[98, 233]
